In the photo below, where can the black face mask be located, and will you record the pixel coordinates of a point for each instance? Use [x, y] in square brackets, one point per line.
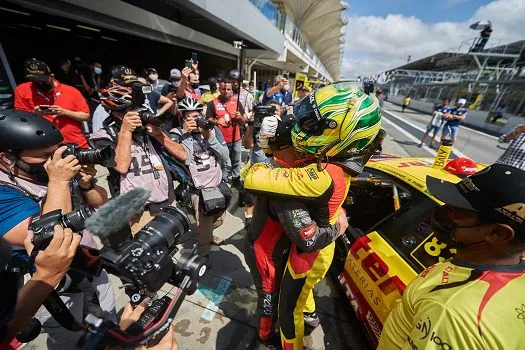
[441, 223]
[36, 170]
[46, 86]
[195, 85]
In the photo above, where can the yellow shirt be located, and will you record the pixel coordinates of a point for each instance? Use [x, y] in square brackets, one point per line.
[406, 101]
[208, 96]
[460, 306]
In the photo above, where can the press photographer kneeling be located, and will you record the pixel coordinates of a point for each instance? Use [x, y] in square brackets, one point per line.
[36, 179]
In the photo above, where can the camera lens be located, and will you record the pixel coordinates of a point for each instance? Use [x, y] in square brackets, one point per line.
[147, 117]
[94, 156]
[164, 229]
[75, 219]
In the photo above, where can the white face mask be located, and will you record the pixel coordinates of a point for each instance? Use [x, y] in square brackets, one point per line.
[153, 77]
[98, 70]
[286, 87]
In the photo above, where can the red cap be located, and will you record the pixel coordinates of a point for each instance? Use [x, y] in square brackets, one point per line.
[461, 166]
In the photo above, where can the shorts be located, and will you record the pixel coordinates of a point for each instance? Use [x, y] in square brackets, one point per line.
[433, 129]
[451, 130]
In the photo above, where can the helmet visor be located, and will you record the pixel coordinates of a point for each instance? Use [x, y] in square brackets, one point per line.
[308, 117]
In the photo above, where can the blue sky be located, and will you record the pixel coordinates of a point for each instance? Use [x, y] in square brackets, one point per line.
[381, 33]
[427, 10]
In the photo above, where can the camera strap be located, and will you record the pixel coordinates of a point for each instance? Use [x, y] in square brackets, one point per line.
[57, 308]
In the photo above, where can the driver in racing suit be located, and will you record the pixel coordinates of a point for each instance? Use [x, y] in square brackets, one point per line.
[346, 135]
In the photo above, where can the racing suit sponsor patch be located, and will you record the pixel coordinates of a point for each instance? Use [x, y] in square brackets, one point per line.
[308, 232]
[312, 174]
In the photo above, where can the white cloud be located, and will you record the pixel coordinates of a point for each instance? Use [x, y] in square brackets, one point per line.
[374, 44]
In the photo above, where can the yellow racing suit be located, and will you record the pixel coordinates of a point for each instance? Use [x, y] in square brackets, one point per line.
[301, 207]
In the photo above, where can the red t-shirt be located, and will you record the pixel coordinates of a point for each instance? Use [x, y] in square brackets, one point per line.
[27, 97]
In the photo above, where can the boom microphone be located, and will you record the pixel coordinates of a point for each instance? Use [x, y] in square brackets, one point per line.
[115, 215]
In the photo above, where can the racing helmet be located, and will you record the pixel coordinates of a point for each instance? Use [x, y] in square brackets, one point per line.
[116, 98]
[461, 166]
[336, 121]
[190, 104]
[21, 130]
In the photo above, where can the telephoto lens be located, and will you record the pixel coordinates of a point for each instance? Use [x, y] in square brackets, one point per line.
[204, 124]
[165, 229]
[76, 219]
[103, 155]
[146, 117]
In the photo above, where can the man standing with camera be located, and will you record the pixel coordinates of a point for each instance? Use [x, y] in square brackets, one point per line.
[141, 148]
[475, 300]
[35, 179]
[228, 115]
[62, 105]
[204, 156]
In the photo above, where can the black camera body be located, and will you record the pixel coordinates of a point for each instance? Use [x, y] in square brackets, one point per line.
[44, 226]
[260, 112]
[204, 124]
[103, 155]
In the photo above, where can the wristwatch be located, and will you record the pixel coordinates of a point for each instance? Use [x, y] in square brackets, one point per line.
[92, 186]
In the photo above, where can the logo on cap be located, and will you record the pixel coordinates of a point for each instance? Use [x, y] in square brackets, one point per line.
[466, 185]
[128, 71]
[33, 66]
[515, 212]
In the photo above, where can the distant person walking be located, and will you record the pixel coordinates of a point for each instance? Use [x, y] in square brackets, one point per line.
[436, 122]
[454, 119]
[406, 102]
[515, 154]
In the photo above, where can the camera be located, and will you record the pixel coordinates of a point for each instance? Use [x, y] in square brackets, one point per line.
[368, 87]
[260, 112]
[204, 124]
[103, 155]
[44, 227]
[138, 98]
[144, 264]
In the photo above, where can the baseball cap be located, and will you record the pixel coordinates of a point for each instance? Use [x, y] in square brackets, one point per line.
[212, 80]
[36, 70]
[175, 74]
[462, 101]
[123, 75]
[151, 70]
[497, 192]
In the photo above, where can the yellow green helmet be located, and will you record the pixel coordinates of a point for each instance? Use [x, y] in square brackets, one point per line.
[336, 121]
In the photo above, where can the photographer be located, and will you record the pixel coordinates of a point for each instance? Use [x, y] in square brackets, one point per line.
[36, 179]
[256, 152]
[139, 150]
[51, 265]
[204, 156]
[280, 92]
[228, 115]
[189, 84]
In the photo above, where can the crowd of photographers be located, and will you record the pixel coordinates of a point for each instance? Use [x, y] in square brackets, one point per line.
[180, 144]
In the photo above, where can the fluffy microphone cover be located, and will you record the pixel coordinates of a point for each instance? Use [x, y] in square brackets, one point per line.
[113, 215]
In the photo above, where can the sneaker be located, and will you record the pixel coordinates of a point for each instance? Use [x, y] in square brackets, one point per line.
[311, 319]
[247, 220]
[420, 145]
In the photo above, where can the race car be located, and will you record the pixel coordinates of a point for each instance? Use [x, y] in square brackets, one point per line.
[389, 240]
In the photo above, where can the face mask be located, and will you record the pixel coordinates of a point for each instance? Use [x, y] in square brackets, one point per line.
[213, 87]
[441, 222]
[98, 70]
[36, 170]
[286, 87]
[153, 77]
[46, 86]
[195, 85]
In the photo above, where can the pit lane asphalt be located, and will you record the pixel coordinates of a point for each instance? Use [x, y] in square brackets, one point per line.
[407, 128]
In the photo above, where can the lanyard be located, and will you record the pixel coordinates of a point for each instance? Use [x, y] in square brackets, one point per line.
[55, 96]
[145, 148]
